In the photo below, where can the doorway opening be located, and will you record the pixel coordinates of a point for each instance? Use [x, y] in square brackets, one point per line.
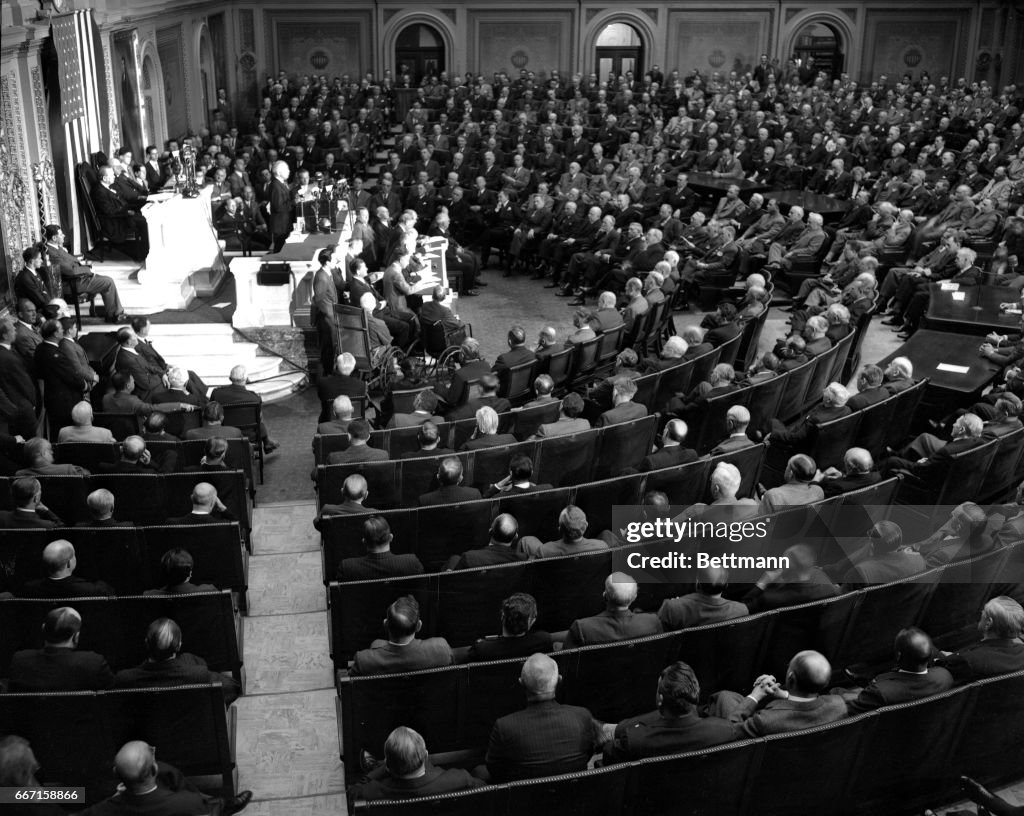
[824, 43]
[620, 50]
[420, 49]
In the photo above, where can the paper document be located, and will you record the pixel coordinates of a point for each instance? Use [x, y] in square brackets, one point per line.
[946, 286]
[952, 369]
[959, 296]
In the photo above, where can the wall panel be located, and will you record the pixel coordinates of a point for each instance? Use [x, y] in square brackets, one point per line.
[900, 41]
[724, 40]
[510, 41]
[317, 42]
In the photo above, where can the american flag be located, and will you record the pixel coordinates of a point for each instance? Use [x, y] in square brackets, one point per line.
[82, 98]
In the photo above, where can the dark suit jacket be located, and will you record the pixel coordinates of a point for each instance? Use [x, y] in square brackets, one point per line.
[386, 658]
[449, 495]
[112, 213]
[457, 391]
[20, 519]
[29, 285]
[514, 357]
[57, 669]
[70, 587]
[147, 377]
[722, 334]
[546, 738]
[61, 381]
[468, 411]
[433, 781]
[611, 626]
[900, 687]
[655, 734]
[732, 443]
[495, 647]
[379, 565]
[623, 412]
[845, 484]
[231, 394]
[486, 557]
[800, 432]
[280, 221]
[986, 659]
[489, 441]
[782, 716]
[216, 517]
[357, 453]
[668, 457]
[180, 671]
[337, 385]
[17, 382]
[863, 399]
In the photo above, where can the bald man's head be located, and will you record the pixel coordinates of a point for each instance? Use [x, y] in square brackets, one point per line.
[135, 766]
[712, 580]
[59, 558]
[808, 674]
[132, 448]
[619, 590]
[539, 677]
[204, 497]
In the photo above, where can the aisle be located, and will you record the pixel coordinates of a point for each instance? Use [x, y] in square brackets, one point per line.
[287, 739]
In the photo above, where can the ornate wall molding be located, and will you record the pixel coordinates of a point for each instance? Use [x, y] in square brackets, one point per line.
[113, 112]
[43, 170]
[15, 190]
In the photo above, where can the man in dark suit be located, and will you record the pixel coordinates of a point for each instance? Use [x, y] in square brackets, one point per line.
[279, 206]
[213, 422]
[473, 368]
[207, 508]
[167, 666]
[26, 334]
[625, 409]
[500, 549]
[341, 383]
[704, 605]
[793, 705]
[354, 492]
[869, 388]
[899, 375]
[618, 621]
[29, 510]
[487, 398]
[148, 376]
[59, 666]
[486, 434]
[674, 727]
[429, 442]
[546, 738]
[798, 435]
[737, 418]
[881, 560]
[407, 772]
[324, 299]
[358, 449]
[517, 352]
[18, 386]
[929, 458]
[402, 651]
[722, 325]
[60, 581]
[176, 566]
[379, 561]
[117, 220]
[518, 637]
[156, 174]
[911, 680]
[1000, 650]
[423, 407]
[87, 281]
[450, 490]
[672, 451]
[31, 283]
[63, 385]
[235, 393]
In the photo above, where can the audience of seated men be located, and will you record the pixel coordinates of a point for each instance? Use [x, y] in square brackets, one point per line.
[207, 508]
[82, 429]
[518, 481]
[358, 449]
[704, 605]
[486, 435]
[799, 702]
[61, 582]
[800, 582]
[569, 419]
[673, 727]
[401, 650]
[379, 561]
[100, 506]
[38, 452]
[149, 786]
[672, 451]
[29, 510]
[618, 621]
[798, 486]
[572, 526]
[167, 666]
[59, 665]
[408, 773]
[341, 415]
[450, 489]
[176, 567]
[912, 679]
[547, 737]
[340, 383]
[213, 424]
[518, 638]
[1000, 649]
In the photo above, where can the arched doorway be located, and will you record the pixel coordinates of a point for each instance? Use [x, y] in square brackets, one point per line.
[619, 49]
[420, 48]
[824, 43]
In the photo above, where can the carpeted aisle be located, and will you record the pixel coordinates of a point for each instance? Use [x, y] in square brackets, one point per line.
[292, 423]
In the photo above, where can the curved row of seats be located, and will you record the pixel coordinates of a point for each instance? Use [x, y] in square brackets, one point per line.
[454, 707]
[896, 760]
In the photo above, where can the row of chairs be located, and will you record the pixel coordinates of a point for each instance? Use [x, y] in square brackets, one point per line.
[454, 707]
[142, 498]
[461, 605]
[559, 460]
[75, 734]
[896, 760]
[128, 558]
[116, 627]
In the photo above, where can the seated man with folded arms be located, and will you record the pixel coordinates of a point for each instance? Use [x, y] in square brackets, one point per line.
[402, 651]
[674, 726]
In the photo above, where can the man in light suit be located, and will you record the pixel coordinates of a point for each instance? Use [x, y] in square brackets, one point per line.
[625, 409]
[87, 281]
[569, 420]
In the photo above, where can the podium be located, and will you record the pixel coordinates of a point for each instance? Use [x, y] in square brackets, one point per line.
[182, 240]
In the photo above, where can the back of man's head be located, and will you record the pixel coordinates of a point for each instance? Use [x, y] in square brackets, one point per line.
[81, 414]
[354, 488]
[163, 640]
[403, 620]
[61, 625]
[808, 674]
[886, 536]
[572, 405]
[213, 412]
[620, 590]
[135, 765]
[913, 649]
[516, 336]
[520, 467]
[1002, 617]
[712, 581]
[518, 613]
[572, 522]
[359, 430]
[801, 467]
[101, 504]
[132, 448]
[504, 529]
[204, 496]
[449, 473]
[489, 384]
[238, 375]
[426, 401]
[176, 565]
[345, 363]
[405, 753]
[376, 534]
[539, 677]
[678, 689]
[342, 407]
[24, 491]
[58, 556]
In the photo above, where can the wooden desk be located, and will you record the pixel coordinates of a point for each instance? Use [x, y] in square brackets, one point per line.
[971, 310]
[830, 209]
[304, 250]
